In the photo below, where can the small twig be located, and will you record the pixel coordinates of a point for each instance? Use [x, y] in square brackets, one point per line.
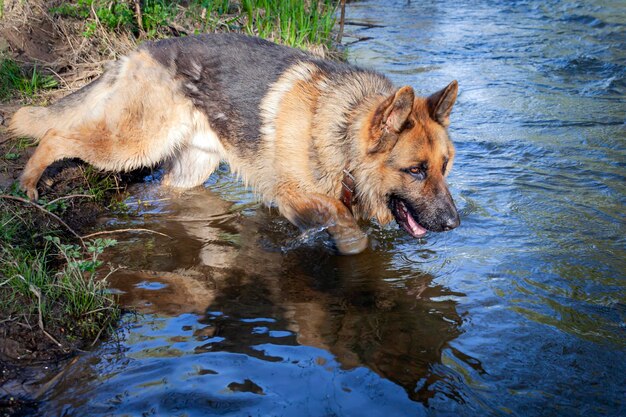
[61, 29]
[140, 202]
[95, 15]
[25, 325]
[111, 272]
[117, 182]
[108, 232]
[5, 139]
[45, 387]
[365, 25]
[67, 86]
[9, 220]
[97, 337]
[341, 20]
[86, 75]
[90, 64]
[178, 29]
[41, 208]
[138, 15]
[97, 310]
[36, 291]
[67, 197]
[358, 39]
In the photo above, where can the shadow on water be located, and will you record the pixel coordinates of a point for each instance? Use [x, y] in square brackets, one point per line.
[246, 288]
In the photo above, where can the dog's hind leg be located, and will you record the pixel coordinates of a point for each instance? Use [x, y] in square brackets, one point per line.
[132, 117]
[313, 210]
[52, 147]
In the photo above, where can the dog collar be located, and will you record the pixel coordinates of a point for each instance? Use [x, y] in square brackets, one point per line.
[348, 184]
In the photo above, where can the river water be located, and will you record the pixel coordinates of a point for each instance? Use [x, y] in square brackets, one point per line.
[520, 311]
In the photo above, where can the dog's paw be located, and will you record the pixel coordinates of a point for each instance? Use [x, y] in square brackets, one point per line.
[32, 194]
[30, 190]
[350, 241]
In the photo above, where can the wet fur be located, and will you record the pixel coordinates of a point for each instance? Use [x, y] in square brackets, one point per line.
[286, 122]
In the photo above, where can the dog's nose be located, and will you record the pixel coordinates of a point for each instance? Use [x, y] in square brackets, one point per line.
[452, 222]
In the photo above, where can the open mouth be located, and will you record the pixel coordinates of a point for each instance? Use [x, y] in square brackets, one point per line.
[405, 219]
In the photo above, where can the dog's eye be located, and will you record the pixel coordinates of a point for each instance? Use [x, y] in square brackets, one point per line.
[418, 171]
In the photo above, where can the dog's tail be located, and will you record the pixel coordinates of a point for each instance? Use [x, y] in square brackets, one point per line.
[31, 121]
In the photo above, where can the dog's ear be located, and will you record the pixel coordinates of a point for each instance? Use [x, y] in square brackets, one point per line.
[390, 119]
[398, 111]
[440, 103]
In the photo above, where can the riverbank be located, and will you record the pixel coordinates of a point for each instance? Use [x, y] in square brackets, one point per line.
[53, 292]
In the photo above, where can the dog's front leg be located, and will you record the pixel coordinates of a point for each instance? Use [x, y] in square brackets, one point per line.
[313, 210]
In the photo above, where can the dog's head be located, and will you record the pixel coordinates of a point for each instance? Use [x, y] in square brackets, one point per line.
[409, 155]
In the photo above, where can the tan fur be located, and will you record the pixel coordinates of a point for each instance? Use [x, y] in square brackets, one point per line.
[427, 140]
[137, 121]
[298, 114]
[22, 122]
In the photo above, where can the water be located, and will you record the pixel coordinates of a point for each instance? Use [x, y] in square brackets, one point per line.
[521, 311]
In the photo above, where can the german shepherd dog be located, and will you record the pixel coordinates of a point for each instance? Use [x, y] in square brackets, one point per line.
[326, 142]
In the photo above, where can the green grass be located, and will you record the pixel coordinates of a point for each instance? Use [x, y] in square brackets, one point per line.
[292, 22]
[48, 278]
[14, 151]
[156, 15]
[78, 9]
[17, 81]
[45, 274]
[116, 15]
[220, 7]
[98, 184]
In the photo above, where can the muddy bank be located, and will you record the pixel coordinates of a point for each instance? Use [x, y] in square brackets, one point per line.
[30, 351]
[31, 347]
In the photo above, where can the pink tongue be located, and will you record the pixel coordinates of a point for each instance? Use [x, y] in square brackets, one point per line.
[416, 229]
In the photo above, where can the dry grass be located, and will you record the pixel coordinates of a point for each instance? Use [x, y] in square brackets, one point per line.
[36, 37]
